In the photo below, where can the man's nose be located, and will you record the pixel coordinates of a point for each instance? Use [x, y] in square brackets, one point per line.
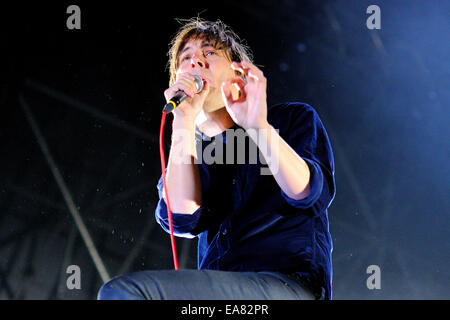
[198, 62]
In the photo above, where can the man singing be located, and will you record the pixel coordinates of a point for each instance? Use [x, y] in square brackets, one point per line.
[262, 231]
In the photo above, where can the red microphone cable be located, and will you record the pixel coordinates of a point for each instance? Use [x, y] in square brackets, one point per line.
[172, 104]
[163, 168]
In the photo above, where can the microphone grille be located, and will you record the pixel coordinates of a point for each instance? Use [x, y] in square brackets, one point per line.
[198, 83]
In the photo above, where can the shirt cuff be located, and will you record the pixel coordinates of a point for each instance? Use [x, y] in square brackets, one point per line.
[183, 224]
[316, 185]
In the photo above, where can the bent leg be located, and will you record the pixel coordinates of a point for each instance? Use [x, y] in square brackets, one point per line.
[203, 285]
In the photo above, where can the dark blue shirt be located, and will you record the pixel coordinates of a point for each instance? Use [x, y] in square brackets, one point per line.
[246, 222]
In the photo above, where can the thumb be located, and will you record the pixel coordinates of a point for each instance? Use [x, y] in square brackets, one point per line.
[205, 90]
[201, 96]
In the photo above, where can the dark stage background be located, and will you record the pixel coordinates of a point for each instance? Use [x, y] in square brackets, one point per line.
[94, 97]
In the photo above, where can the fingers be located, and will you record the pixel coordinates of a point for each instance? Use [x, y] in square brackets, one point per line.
[239, 91]
[185, 82]
[249, 70]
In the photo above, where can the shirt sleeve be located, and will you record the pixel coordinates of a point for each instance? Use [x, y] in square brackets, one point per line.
[184, 225]
[308, 137]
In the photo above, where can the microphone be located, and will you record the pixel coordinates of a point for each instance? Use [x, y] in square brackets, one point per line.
[180, 95]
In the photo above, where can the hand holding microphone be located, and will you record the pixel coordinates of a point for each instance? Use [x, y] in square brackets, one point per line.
[186, 96]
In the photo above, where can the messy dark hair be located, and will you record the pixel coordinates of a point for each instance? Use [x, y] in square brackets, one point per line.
[216, 32]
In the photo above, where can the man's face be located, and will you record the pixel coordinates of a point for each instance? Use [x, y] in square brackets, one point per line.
[199, 57]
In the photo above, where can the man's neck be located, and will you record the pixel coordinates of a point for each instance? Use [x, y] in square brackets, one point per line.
[214, 122]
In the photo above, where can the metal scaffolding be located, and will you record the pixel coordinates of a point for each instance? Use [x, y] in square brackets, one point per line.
[20, 247]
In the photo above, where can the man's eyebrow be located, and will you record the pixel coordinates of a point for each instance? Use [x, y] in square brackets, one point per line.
[207, 44]
[184, 50]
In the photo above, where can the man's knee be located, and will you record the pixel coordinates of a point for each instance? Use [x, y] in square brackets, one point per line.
[120, 288]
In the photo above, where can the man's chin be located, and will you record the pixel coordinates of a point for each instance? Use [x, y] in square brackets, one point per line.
[211, 107]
